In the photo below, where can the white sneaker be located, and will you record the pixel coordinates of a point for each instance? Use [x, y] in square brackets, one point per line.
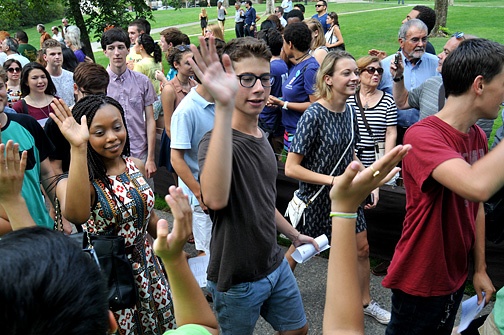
[374, 310]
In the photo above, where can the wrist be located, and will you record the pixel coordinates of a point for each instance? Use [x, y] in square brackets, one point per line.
[285, 105]
[398, 79]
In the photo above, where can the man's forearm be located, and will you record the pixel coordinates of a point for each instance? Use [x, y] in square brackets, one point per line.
[400, 94]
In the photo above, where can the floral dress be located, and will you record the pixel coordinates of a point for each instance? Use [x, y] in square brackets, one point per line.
[153, 313]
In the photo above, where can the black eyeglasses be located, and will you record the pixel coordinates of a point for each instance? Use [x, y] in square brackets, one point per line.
[319, 5]
[183, 47]
[14, 69]
[372, 70]
[458, 35]
[248, 80]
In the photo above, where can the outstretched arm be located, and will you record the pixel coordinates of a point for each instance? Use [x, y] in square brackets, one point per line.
[222, 84]
[73, 193]
[12, 168]
[189, 303]
[343, 305]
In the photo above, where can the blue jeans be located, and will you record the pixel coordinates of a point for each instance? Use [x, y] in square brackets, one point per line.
[423, 315]
[275, 297]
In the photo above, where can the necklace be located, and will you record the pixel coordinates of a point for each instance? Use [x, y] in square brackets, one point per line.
[369, 97]
[47, 106]
[302, 58]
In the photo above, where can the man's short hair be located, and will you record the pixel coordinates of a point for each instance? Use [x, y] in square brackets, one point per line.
[12, 44]
[91, 78]
[247, 47]
[406, 26]
[295, 13]
[273, 39]
[472, 58]
[55, 288]
[21, 36]
[115, 35]
[299, 34]
[143, 26]
[248, 2]
[324, 2]
[175, 36]
[301, 7]
[40, 26]
[50, 43]
[427, 15]
[279, 9]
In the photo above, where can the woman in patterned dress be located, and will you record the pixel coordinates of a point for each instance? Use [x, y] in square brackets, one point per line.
[120, 200]
[322, 136]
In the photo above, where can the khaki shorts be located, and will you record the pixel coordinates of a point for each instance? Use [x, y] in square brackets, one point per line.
[489, 327]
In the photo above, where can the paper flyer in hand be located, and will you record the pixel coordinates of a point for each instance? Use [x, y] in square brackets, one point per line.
[470, 309]
[307, 251]
[199, 267]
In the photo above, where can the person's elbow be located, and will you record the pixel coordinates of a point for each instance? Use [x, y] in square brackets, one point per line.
[214, 201]
[402, 104]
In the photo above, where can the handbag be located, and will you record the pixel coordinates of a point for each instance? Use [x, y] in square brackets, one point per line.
[115, 267]
[296, 207]
[494, 217]
[379, 147]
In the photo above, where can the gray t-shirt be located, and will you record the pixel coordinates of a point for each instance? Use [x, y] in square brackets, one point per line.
[244, 246]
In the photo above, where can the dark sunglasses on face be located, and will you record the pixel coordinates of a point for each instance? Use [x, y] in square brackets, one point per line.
[371, 70]
[319, 5]
[14, 69]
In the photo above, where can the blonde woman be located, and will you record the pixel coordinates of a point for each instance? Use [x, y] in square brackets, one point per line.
[215, 31]
[324, 132]
[203, 18]
[318, 43]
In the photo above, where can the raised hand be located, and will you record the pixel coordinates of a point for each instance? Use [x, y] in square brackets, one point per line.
[396, 66]
[76, 134]
[220, 82]
[12, 168]
[169, 246]
[352, 187]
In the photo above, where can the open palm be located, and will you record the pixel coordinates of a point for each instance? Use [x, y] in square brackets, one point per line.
[76, 134]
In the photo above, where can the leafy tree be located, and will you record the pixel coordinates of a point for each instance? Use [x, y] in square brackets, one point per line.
[441, 8]
[102, 14]
[22, 13]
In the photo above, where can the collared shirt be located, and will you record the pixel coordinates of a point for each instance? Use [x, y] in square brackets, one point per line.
[287, 6]
[414, 76]
[20, 58]
[134, 92]
[239, 16]
[250, 16]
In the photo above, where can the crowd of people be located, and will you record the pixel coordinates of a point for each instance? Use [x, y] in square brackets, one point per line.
[79, 143]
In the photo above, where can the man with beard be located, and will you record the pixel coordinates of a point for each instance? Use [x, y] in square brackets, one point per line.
[418, 67]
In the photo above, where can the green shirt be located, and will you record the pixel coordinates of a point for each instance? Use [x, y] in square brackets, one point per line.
[189, 329]
[28, 51]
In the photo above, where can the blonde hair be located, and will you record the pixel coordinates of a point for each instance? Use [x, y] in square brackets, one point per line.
[322, 89]
[203, 12]
[216, 31]
[315, 25]
[363, 62]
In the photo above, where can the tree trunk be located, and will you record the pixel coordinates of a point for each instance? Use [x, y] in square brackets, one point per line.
[270, 7]
[79, 22]
[441, 9]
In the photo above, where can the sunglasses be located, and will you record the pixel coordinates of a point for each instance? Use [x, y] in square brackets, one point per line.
[458, 35]
[184, 47]
[319, 5]
[372, 70]
[14, 69]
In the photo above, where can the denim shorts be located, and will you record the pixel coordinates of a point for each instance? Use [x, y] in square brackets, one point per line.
[275, 297]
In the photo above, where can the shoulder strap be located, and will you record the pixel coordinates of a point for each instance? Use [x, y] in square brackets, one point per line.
[25, 106]
[341, 158]
[363, 115]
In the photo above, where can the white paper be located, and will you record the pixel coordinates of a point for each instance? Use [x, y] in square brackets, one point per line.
[470, 309]
[199, 267]
[306, 251]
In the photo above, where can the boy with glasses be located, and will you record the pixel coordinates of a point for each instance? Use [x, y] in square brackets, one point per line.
[248, 275]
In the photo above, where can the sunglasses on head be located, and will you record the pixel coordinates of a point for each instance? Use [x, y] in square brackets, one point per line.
[184, 47]
[371, 70]
[14, 69]
[458, 35]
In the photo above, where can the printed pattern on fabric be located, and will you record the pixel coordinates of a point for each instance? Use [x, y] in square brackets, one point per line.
[322, 136]
[153, 314]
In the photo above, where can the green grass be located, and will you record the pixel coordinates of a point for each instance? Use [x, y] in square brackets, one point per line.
[160, 203]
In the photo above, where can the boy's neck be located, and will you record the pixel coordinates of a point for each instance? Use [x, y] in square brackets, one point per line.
[246, 123]
[460, 112]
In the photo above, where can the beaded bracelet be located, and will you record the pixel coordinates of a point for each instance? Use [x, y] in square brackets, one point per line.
[343, 215]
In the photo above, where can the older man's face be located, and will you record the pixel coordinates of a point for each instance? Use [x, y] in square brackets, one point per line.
[413, 46]
[450, 45]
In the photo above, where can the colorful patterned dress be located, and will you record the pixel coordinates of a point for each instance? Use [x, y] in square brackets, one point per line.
[153, 313]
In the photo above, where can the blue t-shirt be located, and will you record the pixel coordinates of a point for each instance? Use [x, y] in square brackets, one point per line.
[192, 119]
[270, 117]
[323, 20]
[297, 88]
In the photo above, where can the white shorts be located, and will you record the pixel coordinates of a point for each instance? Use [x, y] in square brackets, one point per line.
[202, 229]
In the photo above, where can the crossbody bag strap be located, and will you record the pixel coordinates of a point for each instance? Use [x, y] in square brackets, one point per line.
[363, 115]
[341, 158]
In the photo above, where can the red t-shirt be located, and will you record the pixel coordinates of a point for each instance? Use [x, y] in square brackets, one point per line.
[431, 258]
[40, 114]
